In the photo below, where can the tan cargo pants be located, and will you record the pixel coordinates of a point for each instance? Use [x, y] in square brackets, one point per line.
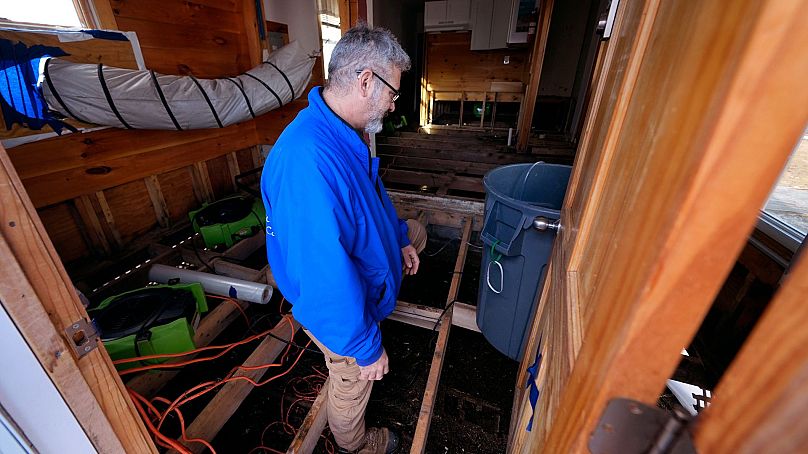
[348, 395]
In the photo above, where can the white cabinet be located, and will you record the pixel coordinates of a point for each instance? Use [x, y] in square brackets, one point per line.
[447, 15]
[490, 20]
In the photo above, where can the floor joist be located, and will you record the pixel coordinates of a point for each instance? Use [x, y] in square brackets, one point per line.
[428, 403]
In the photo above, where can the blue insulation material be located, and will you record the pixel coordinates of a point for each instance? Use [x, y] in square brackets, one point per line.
[20, 99]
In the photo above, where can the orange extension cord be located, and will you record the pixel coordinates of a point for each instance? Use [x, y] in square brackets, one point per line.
[152, 415]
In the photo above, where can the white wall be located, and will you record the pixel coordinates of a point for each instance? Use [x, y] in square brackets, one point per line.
[300, 16]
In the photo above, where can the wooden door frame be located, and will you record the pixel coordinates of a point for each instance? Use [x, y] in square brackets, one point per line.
[40, 298]
[757, 101]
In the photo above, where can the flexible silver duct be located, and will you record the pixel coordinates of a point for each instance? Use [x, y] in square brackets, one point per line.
[141, 99]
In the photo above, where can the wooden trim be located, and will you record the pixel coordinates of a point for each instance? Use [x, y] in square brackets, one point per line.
[52, 295]
[536, 63]
[158, 201]
[227, 400]
[308, 434]
[759, 406]
[428, 403]
[102, 12]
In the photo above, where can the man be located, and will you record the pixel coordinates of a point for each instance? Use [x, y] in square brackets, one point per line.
[334, 241]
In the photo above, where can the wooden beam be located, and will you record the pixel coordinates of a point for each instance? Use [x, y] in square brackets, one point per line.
[463, 315]
[90, 385]
[231, 395]
[428, 403]
[255, 45]
[158, 201]
[759, 405]
[150, 383]
[308, 434]
[536, 63]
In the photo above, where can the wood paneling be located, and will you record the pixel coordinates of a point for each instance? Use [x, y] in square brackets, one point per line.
[220, 179]
[178, 190]
[192, 13]
[452, 66]
[65, 231]
[132, 210]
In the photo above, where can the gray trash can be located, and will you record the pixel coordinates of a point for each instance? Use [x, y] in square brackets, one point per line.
[515, 254]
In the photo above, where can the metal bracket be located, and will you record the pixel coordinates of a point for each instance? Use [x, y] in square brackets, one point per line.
[631, 427]
[82, 336]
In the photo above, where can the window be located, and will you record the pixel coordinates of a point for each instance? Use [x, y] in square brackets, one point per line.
[328, 14]
[45, 12]
[785, 215]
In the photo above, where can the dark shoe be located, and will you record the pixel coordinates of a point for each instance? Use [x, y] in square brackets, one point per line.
[377, 441]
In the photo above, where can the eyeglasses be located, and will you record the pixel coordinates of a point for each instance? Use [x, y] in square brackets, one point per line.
[396, 93]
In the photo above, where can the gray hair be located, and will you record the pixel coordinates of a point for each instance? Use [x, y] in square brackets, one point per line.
[362, 48]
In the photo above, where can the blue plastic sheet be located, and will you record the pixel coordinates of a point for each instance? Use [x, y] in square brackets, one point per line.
[20, 99]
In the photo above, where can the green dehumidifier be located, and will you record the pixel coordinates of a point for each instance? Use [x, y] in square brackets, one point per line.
[229, 220]
[149, 321]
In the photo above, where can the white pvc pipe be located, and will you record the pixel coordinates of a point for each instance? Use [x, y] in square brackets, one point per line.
[213, 283]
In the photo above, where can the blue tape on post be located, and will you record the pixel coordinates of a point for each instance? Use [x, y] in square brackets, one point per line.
[533, 373]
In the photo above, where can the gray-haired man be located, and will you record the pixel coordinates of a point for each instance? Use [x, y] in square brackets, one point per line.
[334, 241]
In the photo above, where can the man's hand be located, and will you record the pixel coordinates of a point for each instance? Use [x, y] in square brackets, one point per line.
[411, 260]
[376, 370]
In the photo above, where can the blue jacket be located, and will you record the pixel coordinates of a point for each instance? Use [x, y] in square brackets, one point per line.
[333, 237]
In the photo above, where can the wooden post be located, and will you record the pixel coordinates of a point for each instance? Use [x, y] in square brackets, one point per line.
[536, 62]
[42, 301]
[759, 405]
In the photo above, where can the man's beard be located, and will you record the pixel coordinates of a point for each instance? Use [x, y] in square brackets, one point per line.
[376, 124]
[376, 120]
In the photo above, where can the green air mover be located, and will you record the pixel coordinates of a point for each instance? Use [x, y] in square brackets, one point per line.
[149, 321]
[229, 220]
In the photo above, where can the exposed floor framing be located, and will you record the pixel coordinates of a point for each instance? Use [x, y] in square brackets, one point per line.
[432, 210]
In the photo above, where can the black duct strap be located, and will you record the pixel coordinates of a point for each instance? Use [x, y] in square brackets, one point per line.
[207, 99]
[56, 93]
[246, 99]
[163, 99]
[280, 103]
[109, 96]
[291, 90]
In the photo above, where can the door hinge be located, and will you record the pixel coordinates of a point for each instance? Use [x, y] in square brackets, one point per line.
[631, 427]
[82, 336]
